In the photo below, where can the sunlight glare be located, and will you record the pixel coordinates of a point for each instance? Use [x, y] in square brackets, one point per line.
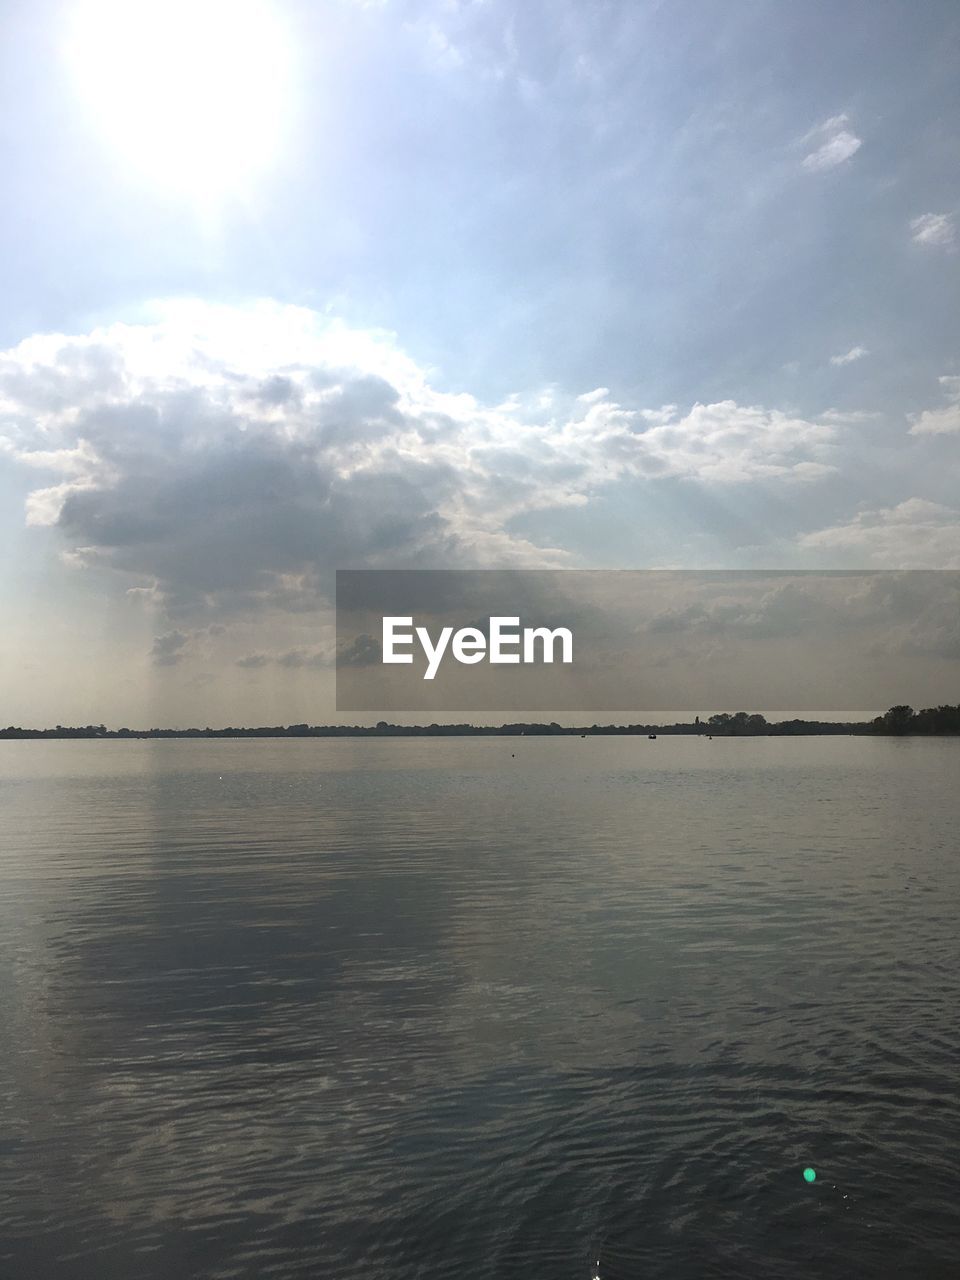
[192, 92]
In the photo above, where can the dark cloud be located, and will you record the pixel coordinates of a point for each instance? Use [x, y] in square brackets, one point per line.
[293, 658]
[253, 661]
[224, 508]
[278, 391]
[231, 461]
[362, 651]
[289, 659]
[168, 648]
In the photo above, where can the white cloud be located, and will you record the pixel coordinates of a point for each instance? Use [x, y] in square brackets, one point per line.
[934, 230]
[848, 417]
[848, 357]
[725, 442]
[837, 143]
[591, 397]
[938, 422]
[231, 457]
[437, 48]
[915, 534]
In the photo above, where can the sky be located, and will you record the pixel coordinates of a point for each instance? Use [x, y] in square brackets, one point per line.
[291, 287]
[661, 645]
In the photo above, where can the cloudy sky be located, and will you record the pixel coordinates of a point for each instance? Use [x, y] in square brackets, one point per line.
[290, 287]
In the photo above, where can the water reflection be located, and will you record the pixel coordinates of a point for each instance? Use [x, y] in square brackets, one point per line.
[398, 1009]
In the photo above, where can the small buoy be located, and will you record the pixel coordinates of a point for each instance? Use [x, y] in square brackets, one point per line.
[809, 1175]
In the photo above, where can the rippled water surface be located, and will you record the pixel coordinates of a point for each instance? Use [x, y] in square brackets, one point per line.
[479, 1008]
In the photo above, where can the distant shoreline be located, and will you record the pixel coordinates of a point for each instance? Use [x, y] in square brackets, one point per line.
[900, 721]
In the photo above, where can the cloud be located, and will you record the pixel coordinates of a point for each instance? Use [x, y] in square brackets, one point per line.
[363, 651]
[836, 145]
[848, 357]
[888, 612]
[168, 648]
[289, 659]
[938, 422]
[438, 49]
[848, 417]
[293, 658]
[230, 458]
[921, 612]
[763, 611]
[253, 661]
[915, 534]
[934, 230]
[720, 443]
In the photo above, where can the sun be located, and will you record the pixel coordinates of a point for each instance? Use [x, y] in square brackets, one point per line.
[193, 94]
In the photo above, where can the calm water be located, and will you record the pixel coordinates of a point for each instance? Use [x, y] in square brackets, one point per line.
[423, 1009]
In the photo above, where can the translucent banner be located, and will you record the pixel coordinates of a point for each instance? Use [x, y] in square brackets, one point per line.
[516, 642]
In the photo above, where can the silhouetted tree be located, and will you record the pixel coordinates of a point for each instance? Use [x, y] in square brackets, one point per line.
[898, 720]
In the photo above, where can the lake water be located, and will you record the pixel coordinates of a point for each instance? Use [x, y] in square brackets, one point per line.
[479, 1008]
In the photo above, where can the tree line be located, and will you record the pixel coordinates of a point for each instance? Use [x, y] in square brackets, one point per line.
[899, 721]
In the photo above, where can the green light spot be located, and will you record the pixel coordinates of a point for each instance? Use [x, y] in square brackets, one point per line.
[809, 1175]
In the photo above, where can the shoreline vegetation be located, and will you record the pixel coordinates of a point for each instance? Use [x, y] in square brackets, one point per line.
[899, 721]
